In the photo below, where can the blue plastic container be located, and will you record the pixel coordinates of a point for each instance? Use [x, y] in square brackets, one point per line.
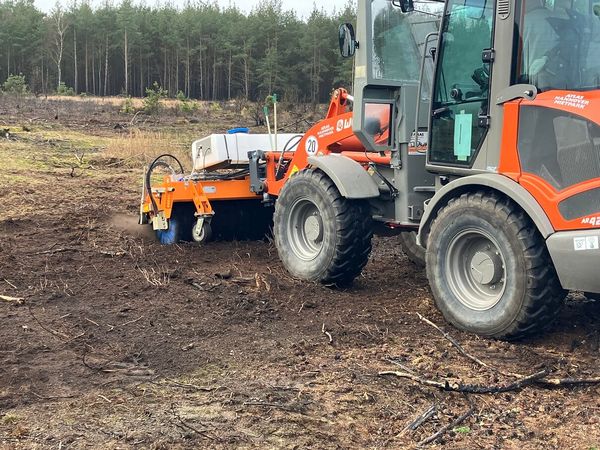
[239, 131]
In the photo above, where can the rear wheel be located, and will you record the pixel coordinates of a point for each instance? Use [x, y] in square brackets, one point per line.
[320, 235]
[414, 252]
[489, 269]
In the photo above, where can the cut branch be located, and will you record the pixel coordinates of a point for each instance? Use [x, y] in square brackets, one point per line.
[48, 330]
[52, 251]
[551, 382]
[17, 300]
[424, 417]
[186, 426]
[434, 437]
[463, 352]
[471, 388]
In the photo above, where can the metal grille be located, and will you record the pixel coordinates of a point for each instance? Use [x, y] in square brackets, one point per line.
[503, 9]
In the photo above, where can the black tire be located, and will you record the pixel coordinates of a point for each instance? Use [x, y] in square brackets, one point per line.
[415, 253]
[342, 230]
[203, 235]
[512, 294]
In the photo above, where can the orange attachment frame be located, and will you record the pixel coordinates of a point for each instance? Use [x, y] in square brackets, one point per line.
[332, 135]
[199, 192]
[324, 138]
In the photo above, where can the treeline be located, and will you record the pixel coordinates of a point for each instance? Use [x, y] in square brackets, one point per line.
[205, 51]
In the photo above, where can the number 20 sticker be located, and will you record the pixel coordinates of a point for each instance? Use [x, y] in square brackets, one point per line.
[312, 145]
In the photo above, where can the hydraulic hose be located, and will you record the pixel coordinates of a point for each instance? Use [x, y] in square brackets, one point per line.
[296, 140]
[149, 174]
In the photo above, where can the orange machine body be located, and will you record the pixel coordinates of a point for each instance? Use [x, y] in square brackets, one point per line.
[332, 135]
[585, 105]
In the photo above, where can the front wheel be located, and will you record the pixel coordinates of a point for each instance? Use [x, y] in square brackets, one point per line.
[202, 231]
[319, 234]
[489, 269]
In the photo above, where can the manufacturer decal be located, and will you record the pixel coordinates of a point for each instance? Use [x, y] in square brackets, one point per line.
[326, 130]
[595, 221]
[312, 145]
[210, 189]
[586, 243]
[343, 125]
[572, 100]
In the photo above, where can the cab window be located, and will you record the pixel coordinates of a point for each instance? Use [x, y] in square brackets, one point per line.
[461, 88]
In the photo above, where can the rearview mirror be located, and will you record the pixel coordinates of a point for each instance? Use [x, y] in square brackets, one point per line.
[405, 6]
[348, 44]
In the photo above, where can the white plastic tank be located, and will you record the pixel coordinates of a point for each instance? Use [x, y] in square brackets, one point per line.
[221, 150]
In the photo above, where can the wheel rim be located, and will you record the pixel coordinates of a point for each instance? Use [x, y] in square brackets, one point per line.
[305, 229]
[202, 234]
[476, 269]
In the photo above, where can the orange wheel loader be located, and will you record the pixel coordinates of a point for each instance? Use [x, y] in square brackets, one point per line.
[473, 133]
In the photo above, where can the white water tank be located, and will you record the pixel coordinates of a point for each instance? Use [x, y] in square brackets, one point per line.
[221, 150]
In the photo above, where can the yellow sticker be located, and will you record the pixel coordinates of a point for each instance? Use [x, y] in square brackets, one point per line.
[360, 72]
[294, 170]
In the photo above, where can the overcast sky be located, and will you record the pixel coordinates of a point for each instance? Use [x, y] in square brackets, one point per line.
[302, 7]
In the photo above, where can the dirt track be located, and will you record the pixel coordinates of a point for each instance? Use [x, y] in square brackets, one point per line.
[123, 343]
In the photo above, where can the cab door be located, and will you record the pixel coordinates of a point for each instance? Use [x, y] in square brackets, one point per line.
[462, 83]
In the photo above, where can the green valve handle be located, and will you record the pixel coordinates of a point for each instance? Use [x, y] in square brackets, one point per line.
[274, 98]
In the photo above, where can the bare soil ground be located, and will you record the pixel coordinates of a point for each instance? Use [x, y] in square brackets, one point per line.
[123, 343]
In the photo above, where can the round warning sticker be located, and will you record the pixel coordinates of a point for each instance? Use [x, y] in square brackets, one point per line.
[312, 145]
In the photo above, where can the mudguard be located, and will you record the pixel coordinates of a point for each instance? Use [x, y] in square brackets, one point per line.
[351, 179]
[500, 183]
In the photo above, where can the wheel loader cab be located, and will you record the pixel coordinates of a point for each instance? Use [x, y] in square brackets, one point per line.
[488, 55]
[400, 48]
[393, 50]
[487, 47]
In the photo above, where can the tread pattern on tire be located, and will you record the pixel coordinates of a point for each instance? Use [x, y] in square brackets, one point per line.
[545, 294]
[353, 225]
[413, 252]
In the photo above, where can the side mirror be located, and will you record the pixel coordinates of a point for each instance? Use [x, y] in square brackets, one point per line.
[348, 44]
[405, 6]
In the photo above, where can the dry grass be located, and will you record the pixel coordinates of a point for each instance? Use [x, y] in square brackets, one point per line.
[137, 102]
[138, 146]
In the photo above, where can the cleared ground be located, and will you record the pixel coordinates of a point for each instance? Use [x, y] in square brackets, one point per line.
[123, 343]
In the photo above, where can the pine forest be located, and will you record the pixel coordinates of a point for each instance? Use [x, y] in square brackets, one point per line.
[200, 50]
